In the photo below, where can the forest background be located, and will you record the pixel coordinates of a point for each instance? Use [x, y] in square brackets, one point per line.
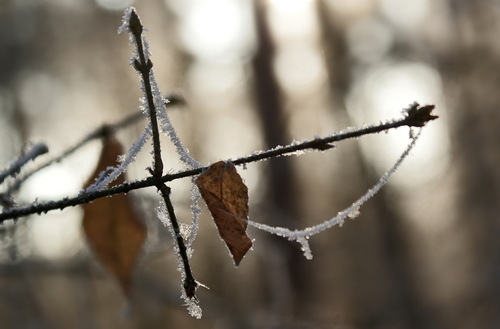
[424, 252]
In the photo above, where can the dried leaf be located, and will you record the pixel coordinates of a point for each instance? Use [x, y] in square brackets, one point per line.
[226, 197]
[111, 226]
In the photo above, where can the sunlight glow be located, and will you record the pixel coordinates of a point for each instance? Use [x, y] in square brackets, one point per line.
[216, 29]
[369, 39]
[380, 95]
[405, 14]
[57, 236]
[294, 19]
[54, 182]
[299, 69]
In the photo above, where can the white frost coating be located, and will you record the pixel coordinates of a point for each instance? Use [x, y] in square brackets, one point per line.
[161, 211]
[168, 128]
[125, 26]
[194, 309]
[102, 182]
[159, 100]
[34, 151]
[301, 236]
[195, 211]
[125, 19]
[147, 52]
[192, 306]
[305, 247]
[353, 214]
[103, 174]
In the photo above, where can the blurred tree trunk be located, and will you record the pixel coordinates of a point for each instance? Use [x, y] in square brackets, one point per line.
[280, 188]
[470, 72]
[380, 245]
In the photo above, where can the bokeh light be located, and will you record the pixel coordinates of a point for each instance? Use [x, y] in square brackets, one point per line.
[394, 86]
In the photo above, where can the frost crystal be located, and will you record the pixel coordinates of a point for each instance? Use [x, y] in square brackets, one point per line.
[185, 230]
[352, 211]
[353, 214]
[194, 309]
[125, 19]
[305, 248]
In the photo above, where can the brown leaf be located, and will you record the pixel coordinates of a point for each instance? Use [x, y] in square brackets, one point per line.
[111, 226]
[226, 197]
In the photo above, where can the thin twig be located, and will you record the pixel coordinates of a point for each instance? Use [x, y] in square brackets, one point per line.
[325, 143]
[144, 66]
[410, 120]
[32, 154]
[189, 284]
[96, 134]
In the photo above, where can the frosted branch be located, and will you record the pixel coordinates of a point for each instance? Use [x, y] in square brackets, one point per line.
[150, 181]
[153, 104]
[168, 128]
[189, 285]
[196, 211]
[352, 211]
[31, 154]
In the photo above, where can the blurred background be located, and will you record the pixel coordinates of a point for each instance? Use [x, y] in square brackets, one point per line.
[424, 252]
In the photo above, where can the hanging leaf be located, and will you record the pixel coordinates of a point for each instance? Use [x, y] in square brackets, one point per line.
[226, 197]
[111, 226]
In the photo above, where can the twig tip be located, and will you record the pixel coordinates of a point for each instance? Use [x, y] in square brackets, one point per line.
[134, 23]
[418, 116]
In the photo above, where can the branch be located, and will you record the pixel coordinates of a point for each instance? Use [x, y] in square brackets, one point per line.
[143, 65]
[97, 133]
[100, 132]
[189, 283]
[34, 152]
[302, 236]
[416, 118]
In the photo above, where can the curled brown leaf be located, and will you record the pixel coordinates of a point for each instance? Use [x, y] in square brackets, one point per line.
[226, 196]
[112, 228]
